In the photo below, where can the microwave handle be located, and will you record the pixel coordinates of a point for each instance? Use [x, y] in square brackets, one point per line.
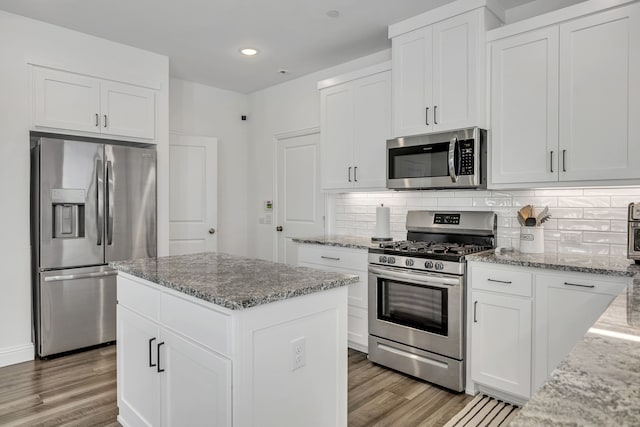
[452, 159]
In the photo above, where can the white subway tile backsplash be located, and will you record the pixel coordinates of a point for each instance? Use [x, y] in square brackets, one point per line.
[584, 220]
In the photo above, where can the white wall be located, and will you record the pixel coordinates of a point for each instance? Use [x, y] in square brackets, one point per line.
[23, 40]
[288, 107]
[196, 109]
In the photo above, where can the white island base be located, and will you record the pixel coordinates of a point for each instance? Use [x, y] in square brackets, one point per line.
[183, 361]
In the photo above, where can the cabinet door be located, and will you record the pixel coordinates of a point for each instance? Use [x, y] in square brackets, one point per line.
[455, 91]
[127, 110]
[66, 100]
[566, 307]
[412, 59]
[196, 384]
[336, 104]
[138, 382]
[501, 342]
[524, 107]
[600, 96]
[372, 128]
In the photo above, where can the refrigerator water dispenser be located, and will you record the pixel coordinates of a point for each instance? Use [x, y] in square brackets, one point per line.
[68, 213]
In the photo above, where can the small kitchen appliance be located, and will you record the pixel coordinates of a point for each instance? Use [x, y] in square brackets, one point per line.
[454, 159]
[92, 203]
[417, 294]
[633, 235]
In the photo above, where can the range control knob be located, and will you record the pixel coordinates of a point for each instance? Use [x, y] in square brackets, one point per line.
[391, 260]
[408, 262]
[428, 264]
[439, 266]
[382, 259]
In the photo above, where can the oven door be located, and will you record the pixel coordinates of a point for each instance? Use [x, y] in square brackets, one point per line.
[421, 310]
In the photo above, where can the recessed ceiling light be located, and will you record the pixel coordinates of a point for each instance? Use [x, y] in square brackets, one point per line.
[333, 13]
[283, 71]
[249, 51]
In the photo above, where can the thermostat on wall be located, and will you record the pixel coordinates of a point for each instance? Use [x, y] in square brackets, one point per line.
[268, 205]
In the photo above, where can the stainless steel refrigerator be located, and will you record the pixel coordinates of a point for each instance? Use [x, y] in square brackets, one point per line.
[92, 203]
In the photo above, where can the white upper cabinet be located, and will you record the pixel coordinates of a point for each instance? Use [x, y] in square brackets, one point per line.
[127, 110]
[524, 107]
[563, 102]
[66, 101]
[600, 96]
[72, 102]
[355, 124]
[438, 73]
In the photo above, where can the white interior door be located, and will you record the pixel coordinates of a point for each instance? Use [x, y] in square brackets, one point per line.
[193, 194]
[299, 205]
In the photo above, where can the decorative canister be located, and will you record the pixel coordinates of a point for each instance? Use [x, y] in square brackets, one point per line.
[532, 240]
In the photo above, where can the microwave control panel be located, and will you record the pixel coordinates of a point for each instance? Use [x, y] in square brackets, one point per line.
[466, 157]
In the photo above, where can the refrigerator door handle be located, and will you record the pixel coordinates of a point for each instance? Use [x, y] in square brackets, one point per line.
[109, 203]
[80, 276]
[100, 198]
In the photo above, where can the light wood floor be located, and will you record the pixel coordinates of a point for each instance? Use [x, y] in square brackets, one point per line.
[80, 390]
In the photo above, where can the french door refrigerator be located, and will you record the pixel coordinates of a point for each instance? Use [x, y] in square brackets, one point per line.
[92, 203]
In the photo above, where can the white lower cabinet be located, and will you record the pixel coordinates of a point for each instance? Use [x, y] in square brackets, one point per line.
[523, 322]
[349, 261]
[164, 379]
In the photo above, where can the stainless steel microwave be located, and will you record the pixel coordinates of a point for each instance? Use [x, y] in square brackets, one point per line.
[455, 159]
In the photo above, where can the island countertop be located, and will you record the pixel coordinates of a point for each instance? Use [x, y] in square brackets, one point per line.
[231, 281]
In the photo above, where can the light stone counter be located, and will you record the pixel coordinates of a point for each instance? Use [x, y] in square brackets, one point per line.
[355, 242]
[598, 383]
[231, 281]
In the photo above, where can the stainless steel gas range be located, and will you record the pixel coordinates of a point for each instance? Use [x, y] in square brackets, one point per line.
[417, 294]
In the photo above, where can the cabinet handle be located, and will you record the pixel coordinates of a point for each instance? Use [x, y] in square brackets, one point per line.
[105, 120]
[349, 174]
[499, 281]
[330, 257]
[355, 173]
[426, 116]
[579, 285]
[564, 160]
[97, 120]
[159, 345]
[475, 312]
[151, 364]
[551, 162]
[435, 112]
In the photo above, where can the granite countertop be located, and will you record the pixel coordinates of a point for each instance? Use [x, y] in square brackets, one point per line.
[355, 242]
[231, 281]
[598, 383]
[596, 264]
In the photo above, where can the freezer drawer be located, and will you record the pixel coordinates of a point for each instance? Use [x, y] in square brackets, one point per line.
[75, 308]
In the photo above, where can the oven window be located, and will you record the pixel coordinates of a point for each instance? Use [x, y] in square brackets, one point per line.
[636, 239]
[424, 161]
[416, 306]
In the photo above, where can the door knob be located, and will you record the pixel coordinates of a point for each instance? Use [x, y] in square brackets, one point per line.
[279, 228]
[212, 230]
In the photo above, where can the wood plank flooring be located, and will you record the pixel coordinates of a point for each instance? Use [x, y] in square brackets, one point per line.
[80, 390]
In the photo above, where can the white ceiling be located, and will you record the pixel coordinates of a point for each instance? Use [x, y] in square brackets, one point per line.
[202, 37]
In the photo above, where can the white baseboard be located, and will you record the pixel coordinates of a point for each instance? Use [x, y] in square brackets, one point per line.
[17, 354]
[362, 348]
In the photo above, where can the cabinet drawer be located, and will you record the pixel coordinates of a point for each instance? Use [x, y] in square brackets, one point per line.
[507, 281]
[201, 324]
[138, 297]
[582, 283]
[350, 259]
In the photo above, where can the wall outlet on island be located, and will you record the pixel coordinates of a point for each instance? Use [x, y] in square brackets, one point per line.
[298, 353]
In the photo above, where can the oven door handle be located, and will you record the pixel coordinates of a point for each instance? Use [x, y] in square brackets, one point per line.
[418, 279]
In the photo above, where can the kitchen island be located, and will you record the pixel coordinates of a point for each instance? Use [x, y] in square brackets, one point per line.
[598, 382]
[216, 339]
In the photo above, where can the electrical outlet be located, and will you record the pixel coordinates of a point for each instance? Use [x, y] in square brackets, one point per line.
[298, 353]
